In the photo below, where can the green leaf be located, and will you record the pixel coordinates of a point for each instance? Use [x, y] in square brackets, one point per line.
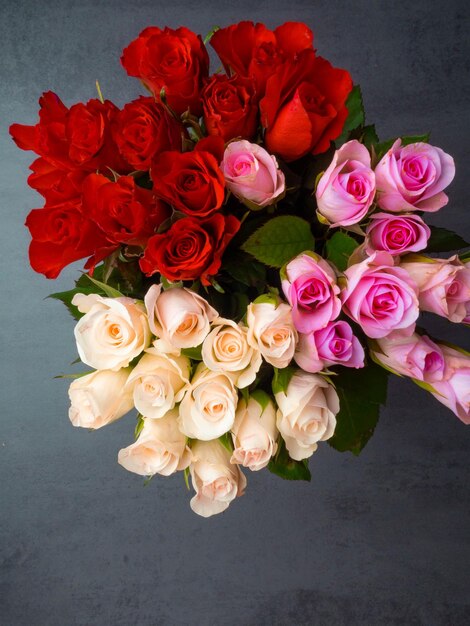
[280, 240]
[193, 353]
[339, 248]
[285, 467]
[356, 115]
[139, 426]
[109, 291]
[246, 270]
[369, 136]
[186, 473]
[66, 298]
[282, 378]
[262, 398]
[226, 441]
[361, 392]
[443, 240]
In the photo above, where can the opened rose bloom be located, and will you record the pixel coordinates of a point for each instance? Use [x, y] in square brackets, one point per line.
[413, 177]
[444, 285]
[178, 317]
[346, 190]
[333, 345]
[112, 332]
[158, 382]
[271, 330]
[254, 432]
[252, 174]
[226, 349]
[309, 284]
[216, 481]
[99, 398]
[207, 410]
[159, 449]
[380, 297]
[307, 413]
[396, 234]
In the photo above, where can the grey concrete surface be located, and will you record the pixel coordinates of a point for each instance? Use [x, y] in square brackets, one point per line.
[379, 539]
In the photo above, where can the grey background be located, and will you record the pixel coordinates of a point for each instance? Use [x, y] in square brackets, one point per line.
[379, 539]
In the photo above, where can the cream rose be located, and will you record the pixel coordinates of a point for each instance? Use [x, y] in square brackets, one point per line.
[226, 349]
[216, 481]
[99, 398]
[179, 317]
[112, 332]
[158, 382]
[160, 448]
[271, 330]
[254, 432]
[307, 413]
[207, 410]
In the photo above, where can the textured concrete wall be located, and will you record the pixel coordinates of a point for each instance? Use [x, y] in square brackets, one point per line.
[379, 539]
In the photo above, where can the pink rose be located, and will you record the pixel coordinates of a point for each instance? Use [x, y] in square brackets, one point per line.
[379, 296]
[443, 284]
[309, 284]
[413, 177]
[454, 390]
[252, 174]
[347, 188]
[396, 234]
[415, 356]
[333, 345]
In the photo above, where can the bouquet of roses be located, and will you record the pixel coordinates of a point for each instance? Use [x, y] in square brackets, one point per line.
[257, 259]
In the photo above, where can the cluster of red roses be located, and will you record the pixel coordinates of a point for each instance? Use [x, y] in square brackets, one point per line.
[147, 176]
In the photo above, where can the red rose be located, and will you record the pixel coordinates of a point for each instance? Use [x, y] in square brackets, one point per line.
[304, 107]
[191, 182]
[253, 51]
[230, 108]
[142, 129]
[61, 234]
[174, 60]
[191, 249]
[56, 185]
[125, 212]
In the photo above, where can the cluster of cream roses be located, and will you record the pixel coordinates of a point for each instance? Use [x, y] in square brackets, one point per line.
[140, 353]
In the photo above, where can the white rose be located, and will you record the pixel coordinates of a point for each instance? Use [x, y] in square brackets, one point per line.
[207, 410]
[271, 330]
[226, 349]
[160, 448]
[99, 398]
[307, 413]
[158, 382]
[216, 481]
[179, 317]
[112, 332]
[254, 432]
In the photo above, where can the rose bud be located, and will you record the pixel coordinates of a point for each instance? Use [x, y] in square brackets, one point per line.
[415, 356]
[309, 284]
[207, 410]
[112, 332]
[454, 390]
[380, 297]
[99, 398]
[412, 178]
[226, 349]
[271, 330]
[252, 174]
[158, 382]
[396, 234]
[443, 284]
[216, 481]
[254, 432]
[307, 413]
[160, 448]
[179, 317]
[333, 345]
[346, 190]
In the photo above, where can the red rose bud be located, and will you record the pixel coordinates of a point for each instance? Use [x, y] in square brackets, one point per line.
[61, 235]
[253, 51]
[230, 109]
[142, 129]
[191, 182]
[304, 107]
[123, 210]
[192, 249]
[173, 60]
